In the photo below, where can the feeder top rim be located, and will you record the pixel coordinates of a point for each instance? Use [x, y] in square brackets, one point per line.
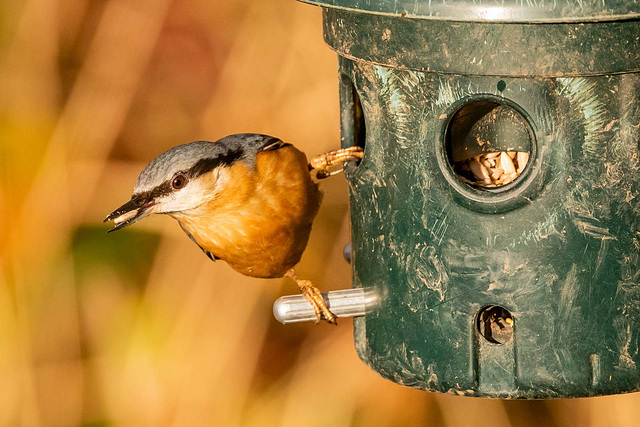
[495, 11]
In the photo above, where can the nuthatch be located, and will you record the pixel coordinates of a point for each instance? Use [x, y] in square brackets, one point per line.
[247, 199]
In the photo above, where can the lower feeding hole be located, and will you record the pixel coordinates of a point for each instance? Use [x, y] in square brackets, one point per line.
[488, 144]
[495, 324]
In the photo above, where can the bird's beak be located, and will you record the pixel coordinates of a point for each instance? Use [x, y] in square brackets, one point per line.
[134, 210]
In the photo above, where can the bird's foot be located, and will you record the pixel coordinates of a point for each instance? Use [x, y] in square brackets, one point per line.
[324, 162]
[313, 295]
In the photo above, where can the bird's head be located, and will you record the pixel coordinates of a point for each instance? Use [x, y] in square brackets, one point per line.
[180, 179]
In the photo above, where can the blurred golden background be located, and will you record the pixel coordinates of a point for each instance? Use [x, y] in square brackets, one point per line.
[139, 328]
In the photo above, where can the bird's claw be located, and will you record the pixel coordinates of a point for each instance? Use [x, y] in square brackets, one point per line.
[324, 163]
[313, 295]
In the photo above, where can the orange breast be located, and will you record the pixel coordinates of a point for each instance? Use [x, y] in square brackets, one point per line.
[260, 223]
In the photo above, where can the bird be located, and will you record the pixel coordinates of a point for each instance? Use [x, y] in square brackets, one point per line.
[246, 199]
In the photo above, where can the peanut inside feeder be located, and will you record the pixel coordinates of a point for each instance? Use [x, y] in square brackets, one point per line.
[488, 144]
[492, 169]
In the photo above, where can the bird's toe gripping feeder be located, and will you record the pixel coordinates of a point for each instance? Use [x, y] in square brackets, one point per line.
[527, 287]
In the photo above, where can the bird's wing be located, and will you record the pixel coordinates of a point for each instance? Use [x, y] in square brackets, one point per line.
[271, 143]
[252, 143]
[211, 256]
[247, 146]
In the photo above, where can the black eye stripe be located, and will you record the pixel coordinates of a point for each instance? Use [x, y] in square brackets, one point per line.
[200, 168]
[161, 190]
[208, 164]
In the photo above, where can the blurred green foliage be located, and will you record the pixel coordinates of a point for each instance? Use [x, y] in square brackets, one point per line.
[130, 253]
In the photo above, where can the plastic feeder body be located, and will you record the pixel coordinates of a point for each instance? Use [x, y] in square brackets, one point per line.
[527, 289]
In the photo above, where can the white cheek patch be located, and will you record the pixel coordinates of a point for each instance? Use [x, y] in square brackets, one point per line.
[190, 197]
[198, 191]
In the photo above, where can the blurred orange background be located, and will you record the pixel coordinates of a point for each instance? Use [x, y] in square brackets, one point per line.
[139, 328]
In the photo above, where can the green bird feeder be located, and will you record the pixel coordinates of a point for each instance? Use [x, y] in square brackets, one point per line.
[496, 213]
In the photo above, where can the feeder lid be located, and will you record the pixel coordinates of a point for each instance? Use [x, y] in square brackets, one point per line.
[492, 11]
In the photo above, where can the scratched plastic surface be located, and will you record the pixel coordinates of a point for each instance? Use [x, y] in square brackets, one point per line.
[559, 249]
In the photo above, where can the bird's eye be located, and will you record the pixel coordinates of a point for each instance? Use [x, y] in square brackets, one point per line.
[179, 182]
